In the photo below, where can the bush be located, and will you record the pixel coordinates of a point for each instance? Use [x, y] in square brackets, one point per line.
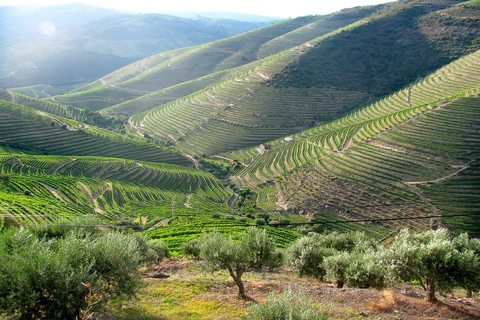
[365, 271]
[44, 278]
[305, 256]
[230, 217]
[192, 248]
[291, 305]
[260, 222]
[215, 215]
[157, 251]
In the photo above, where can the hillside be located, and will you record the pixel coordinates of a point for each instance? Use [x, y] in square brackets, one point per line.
[379, 102]
[409, 154]
[94, 43]
[256, 103]
[43, 189]
[160, 72]
[36, 131]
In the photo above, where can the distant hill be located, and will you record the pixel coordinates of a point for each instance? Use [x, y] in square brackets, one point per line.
[45, 46]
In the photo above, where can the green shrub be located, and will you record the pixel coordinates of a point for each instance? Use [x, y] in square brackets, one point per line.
[365, 271]
[291, 305]
[305, 256]
[230, 217]
[192, 248]
[260, 222]
[157, 251]
[44, 278]
[336, 266]
[215, 215]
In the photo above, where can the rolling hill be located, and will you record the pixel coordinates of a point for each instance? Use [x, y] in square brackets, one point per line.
[79, 43]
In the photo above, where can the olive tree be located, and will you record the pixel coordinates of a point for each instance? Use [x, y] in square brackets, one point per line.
[429, 257]
[250, 250]
[468, 274]
[192, 248]
[42, 278]
[306, 255]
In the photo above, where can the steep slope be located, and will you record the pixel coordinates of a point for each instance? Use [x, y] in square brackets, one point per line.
[413, 153]
[258, 102]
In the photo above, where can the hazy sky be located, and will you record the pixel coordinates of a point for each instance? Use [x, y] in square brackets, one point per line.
[278, 8]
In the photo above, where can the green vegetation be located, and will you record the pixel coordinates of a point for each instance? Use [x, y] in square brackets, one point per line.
[290, 304]
[64, 277]
[435, 260]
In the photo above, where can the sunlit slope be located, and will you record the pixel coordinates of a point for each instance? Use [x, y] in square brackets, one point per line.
[43, 188]
[48, 106]
[400, 156]
[32, 130]
[174, 67]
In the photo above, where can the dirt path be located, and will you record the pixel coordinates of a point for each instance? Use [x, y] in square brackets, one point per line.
[94, 199]
[195, 162]
[14, 97]
[461, 168]
[187, 197]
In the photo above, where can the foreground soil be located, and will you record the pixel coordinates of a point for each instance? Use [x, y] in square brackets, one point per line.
[190, 293]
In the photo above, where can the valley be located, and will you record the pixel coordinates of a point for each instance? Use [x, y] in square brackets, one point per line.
[364, 120]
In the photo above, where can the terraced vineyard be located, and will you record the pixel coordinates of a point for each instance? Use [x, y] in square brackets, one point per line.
[242, 111]
[26, 128]
[174, 67]
[392, 149]
[55, 186]
[324, 119]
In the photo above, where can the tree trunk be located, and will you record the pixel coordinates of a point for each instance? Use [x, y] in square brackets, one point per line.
[237, 278]
[431, 293]
[339, 283]
[469, 293]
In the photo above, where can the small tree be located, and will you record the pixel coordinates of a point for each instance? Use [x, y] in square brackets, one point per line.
[259, 247]
[428, 257]
[221, 252]
[336, 266]
[365, 271]
[305, 256]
